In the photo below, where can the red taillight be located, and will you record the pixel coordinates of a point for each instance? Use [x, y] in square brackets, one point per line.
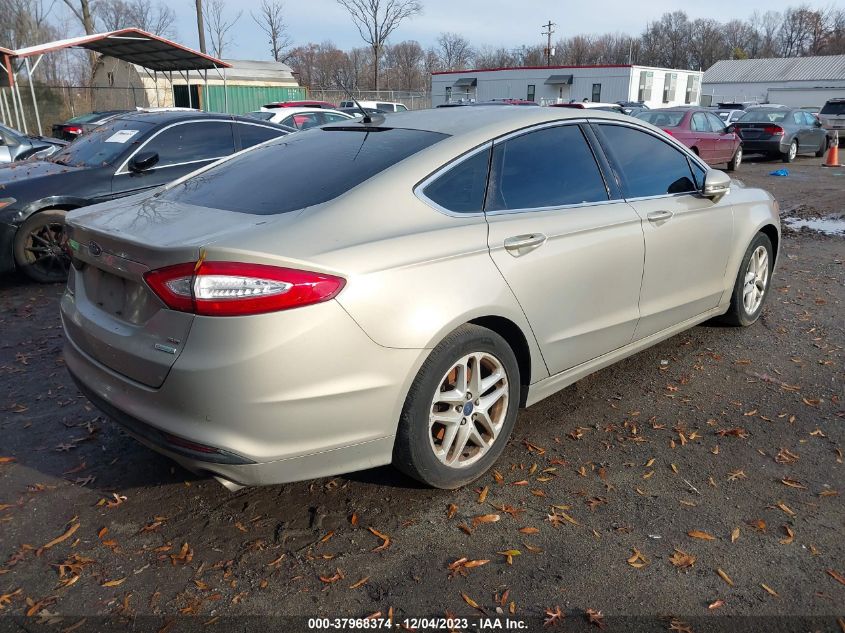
[669, 132]
[73, 129]
[773, 130]
[236, 289]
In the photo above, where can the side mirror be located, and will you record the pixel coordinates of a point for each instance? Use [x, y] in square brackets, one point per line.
[143, 162]
[716, 184]
[731, 129]
[817, 123]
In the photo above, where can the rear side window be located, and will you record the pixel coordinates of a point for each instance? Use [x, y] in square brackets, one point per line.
[196, 141]
[255, 134]
[551, 167]
[833, 108]
[461, 188]
[387, 107]
[648, 165]
[662, 119]
[300, 170]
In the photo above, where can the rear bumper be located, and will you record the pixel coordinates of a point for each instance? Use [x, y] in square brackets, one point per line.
[283, 397]
[768, 146]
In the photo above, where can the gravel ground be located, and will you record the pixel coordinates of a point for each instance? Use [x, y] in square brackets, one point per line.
[700, 479]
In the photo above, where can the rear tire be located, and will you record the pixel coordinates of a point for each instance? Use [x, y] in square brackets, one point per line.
[791, 153]
[752, 283]
[41, 250]
[449, 436]
[736, 161]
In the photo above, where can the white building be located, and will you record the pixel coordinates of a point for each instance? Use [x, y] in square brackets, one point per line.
[792, 81]
[657, 87]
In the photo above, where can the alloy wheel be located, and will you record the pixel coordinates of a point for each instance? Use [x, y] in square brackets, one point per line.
[738, 157]
[793, 150]
[468, 410]
[756, 280]
[46, 250]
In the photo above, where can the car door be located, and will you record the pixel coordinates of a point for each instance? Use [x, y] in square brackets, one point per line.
[688, 237]
[182, 148]
[818, 133]
[725, 141]
[568, 246]
[705, 139]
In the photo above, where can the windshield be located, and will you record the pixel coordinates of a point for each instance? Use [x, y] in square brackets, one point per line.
[833, 108]
[661, 119]
[263, 116]
[316, 166]
[763, 116]
[103, 145]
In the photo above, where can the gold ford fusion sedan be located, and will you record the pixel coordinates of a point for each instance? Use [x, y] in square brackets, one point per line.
[393, 290]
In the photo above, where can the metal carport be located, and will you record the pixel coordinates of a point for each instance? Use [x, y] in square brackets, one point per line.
[153, 53]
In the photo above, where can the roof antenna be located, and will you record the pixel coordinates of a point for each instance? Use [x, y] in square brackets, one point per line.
[367, 119]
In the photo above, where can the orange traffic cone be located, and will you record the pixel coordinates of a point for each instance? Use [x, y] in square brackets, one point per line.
[833, 152]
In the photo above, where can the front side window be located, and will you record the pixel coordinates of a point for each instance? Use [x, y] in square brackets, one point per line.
[551, 167]
[666, 171]
[461, 188]
[330, 160]
[188, 142]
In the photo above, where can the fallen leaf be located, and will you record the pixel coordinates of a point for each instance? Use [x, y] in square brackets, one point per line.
[509, 554]
[471, 602]
[793, 484]
[114, 583]
[484, 518]
[682, 559]
[716, 604]
[785, 508]
[790, 536]
[725, 577]
[360, 583]
[7, 460]
[595, 617]
[452, 511]
[338, 575]
[769, 590]
[185, 555]
[836, 576]
[637, 561]
[68, 533]
[735, 535]
[553, 616]
[704, 536]
[482, 496]
[384, 537]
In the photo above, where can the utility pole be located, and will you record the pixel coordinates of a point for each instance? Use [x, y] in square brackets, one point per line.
[200, 26]
[547, 31]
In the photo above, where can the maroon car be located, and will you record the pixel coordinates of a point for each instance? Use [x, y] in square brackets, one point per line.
[702, 131]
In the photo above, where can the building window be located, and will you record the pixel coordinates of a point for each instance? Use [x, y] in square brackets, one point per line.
[669, 83]
[646, 81]
[596, 92]
[448, 94]
[531, 92]
[692, 89]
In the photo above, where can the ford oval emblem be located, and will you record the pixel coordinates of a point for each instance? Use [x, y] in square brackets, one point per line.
[95, 249]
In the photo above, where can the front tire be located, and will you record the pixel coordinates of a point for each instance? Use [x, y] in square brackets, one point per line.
[791, 153]
[736, 161]
[822, 148]
[41, 250]
[460, 409]
[752, 283]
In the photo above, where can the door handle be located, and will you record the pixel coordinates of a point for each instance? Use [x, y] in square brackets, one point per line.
[522, 244]
[659, 216]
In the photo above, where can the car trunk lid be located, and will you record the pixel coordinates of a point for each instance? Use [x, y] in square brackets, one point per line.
[757, 131]
[109, 311]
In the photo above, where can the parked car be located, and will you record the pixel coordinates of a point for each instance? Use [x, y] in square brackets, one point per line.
[71, 129]
[304, 118]
[386, 106]
[783, 132]
[591, 105]
[356, 112]
[15, 145]
[632, 108]
[728, 116]
[358, 340]
[700, 130]
[132, 153]
[301, 104]
[832, 116]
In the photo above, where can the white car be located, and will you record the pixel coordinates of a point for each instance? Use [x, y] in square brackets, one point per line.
[300, 118]
[384, 106]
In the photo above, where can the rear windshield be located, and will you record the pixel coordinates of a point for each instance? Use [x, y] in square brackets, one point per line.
[104, 144]
[763, 116]
[261, 116]
[300, 170]
[833, 108]
[661, 119]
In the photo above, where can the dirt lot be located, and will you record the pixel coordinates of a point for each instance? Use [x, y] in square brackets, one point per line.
[700, 479]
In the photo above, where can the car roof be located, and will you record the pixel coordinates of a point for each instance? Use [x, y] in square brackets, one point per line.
[171, 116]
[299, 110]
[486, 122]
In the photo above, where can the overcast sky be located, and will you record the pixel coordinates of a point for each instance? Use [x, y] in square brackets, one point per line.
[484, 22]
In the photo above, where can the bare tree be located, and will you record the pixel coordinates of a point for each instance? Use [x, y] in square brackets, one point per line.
[270, 19]
[142, 14]
[376, 20]
[219, 26]
[455, 51]
[407, 60]
[82, 13]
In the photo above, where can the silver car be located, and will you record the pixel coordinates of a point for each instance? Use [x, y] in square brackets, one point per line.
[393, 292]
